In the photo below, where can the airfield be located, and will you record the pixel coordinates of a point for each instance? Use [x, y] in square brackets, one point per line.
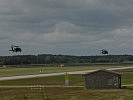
[47, 83]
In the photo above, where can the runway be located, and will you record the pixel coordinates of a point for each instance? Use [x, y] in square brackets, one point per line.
[55, 74]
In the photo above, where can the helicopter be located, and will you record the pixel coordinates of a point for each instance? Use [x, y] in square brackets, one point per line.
[15, 48]
[104, 51]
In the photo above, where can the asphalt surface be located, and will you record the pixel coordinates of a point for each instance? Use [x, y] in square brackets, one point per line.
[55, 74]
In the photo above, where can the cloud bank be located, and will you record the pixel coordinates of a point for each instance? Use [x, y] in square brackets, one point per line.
[72, 27]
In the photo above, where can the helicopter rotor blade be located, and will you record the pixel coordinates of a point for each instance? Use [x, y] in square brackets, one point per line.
[14, 46]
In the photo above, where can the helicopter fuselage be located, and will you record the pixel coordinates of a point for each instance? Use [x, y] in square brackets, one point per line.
[16, 49]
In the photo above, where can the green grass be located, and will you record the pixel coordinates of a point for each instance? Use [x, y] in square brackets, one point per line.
[64, 94]
[129, 97]
[127, 78]
[51, 80]
[9, 71]
[78, 80]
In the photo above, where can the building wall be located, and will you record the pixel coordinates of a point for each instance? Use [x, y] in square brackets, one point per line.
[102, 80]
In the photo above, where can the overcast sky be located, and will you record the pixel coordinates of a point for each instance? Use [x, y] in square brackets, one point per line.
[72, 27]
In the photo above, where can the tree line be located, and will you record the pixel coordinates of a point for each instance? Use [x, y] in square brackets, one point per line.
[52, 59]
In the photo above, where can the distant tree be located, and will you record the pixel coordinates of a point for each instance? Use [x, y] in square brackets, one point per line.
[56, 59]
[1, 62]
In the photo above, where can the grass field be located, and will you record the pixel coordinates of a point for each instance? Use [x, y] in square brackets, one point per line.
[10, 71]
[51, 80]
[63, 93]
[127, 78]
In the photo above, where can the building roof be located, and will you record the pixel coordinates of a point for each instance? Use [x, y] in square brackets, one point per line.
[104, 70]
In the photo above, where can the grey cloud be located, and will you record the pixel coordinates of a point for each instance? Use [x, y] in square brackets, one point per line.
[72, 24]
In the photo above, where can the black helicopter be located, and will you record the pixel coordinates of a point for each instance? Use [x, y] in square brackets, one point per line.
[104, 51]
[15, 49]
